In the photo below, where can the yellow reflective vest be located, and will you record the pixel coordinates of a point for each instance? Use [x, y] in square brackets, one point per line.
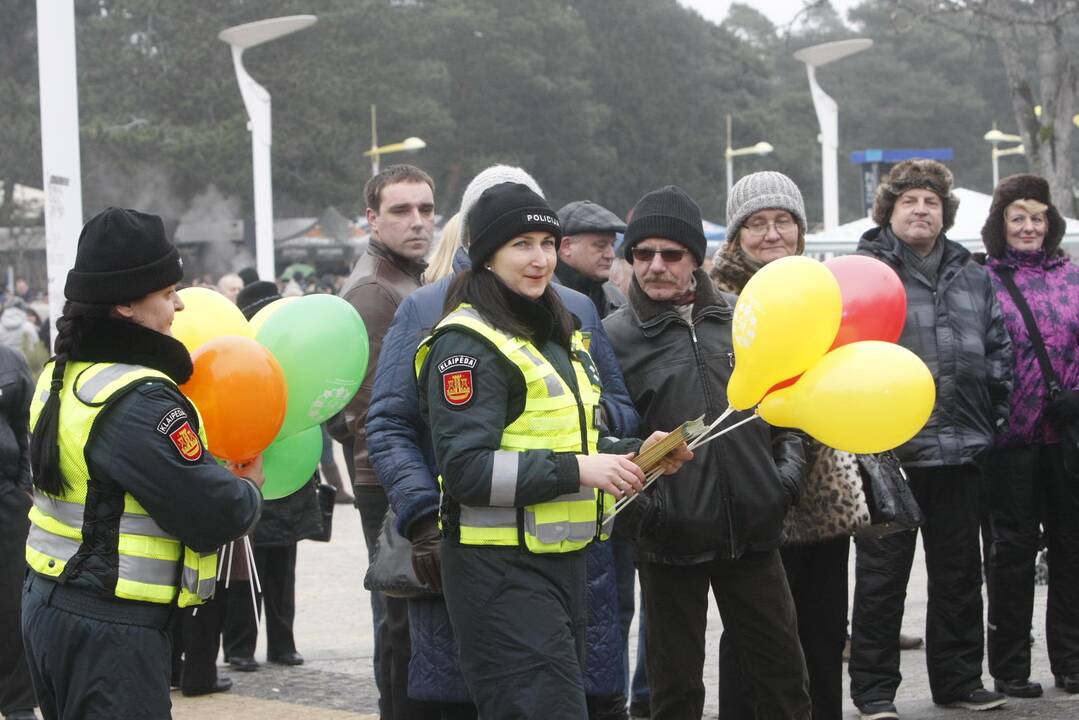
[554, 418]
[153, 566]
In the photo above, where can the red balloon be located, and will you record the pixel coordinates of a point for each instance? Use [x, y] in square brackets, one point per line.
[239, 389]
[874, 301]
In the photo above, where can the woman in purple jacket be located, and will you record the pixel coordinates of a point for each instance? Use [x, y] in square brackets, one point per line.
[1033, 474]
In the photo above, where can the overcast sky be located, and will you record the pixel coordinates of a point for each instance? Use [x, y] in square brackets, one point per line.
[778, 11]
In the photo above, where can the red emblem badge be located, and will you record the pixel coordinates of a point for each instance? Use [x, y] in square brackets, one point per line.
[187, 442]
[457, 387]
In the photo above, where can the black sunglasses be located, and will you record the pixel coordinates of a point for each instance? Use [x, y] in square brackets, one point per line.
[646, 254]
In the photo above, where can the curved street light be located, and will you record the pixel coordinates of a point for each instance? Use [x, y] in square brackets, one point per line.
[257, 103]
[409, 144]
[996, 137]
[761, 148]
[828, 116]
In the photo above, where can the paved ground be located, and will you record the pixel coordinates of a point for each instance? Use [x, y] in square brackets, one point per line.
[333, 632]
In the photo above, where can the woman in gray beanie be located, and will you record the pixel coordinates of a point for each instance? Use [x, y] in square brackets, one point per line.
[765, 222]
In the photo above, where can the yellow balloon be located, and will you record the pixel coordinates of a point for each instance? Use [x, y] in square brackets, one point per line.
[785, 319]
[207, 314]
[865, 397]
[259, 318]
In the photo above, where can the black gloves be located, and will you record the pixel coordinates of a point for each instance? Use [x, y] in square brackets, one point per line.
[425, 561]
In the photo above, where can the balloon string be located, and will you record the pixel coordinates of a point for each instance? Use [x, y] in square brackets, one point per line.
[254, 578]
[228, 569]
[725, 430]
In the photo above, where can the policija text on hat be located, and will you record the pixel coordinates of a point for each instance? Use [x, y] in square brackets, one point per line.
[129, 507]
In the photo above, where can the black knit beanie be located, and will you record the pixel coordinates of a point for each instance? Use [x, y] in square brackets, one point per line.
[123, 255]
[256, 296]
[667, 213]
[503, 212]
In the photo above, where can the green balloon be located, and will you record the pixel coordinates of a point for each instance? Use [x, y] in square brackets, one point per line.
[321, 344]
[290, 462]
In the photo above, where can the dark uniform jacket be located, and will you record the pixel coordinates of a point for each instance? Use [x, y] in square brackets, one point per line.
[197, 501]
[16, 389]
[376, 287]
[732, 497]
[956, 326]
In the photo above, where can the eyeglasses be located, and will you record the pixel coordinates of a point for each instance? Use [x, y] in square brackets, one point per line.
[759, 228]
[646, 255]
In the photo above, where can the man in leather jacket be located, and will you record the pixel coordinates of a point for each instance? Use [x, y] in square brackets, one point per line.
[717, 523]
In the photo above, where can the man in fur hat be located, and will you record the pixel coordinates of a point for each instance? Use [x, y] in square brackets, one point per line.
[955, 325]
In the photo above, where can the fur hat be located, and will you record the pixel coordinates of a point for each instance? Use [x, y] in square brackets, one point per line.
[487, 179]
[668, 213]
[1021, 187]
[123, 255]
[916, 174]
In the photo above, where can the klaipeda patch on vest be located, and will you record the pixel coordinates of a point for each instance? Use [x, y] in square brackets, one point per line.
[176, 426]
[458, 388]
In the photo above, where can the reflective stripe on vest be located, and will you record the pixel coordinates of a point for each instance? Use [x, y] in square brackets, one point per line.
[552, 419]
[152, 565]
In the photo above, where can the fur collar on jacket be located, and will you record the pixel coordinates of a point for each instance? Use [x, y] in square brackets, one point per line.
[98, 339]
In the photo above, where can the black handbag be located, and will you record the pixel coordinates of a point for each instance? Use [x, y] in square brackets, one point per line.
[892, 507]
[326, 496]
[1062, 406]
[390, 570]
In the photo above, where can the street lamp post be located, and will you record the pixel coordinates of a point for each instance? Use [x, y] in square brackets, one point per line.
[257, 103]
[828, 116]
[996, 137]
[761, 148]
[410, 144]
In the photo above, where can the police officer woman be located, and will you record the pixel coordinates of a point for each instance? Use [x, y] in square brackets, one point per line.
[128, 505]
[512, 400]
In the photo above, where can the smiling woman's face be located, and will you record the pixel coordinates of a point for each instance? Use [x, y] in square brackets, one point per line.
[526, 263]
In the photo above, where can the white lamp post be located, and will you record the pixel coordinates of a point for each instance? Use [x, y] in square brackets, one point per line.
[996, 137]
[828, 116]
[761, 148]
[410, 144]
[257, 102]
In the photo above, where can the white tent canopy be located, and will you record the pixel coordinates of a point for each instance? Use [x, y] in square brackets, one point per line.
[967, 230]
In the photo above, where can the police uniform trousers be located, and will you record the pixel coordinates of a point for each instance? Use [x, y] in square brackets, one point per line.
[1029, 486]
[16, 688]
[949, 497]
[520, 621]
[93, 658]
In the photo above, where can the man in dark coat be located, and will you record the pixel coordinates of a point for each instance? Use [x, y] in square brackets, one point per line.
[586, 253]
[956, 326]
[718, 523]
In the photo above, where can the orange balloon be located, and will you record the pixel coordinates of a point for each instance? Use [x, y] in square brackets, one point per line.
[240, 391]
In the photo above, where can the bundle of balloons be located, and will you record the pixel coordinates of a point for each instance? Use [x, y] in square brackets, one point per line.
[814, 347]
[265, 386]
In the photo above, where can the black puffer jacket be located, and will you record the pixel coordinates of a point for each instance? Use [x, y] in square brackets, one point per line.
[16, 388]
[957, 327]
[731, 499]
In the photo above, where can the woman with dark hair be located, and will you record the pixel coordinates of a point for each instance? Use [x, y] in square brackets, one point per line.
[129, 508]
[512, 400]
[1033, 472]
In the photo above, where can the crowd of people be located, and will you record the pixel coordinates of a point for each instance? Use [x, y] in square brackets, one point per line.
[524, 376]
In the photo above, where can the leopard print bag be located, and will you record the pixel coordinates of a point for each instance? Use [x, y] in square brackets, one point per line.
[832, 503]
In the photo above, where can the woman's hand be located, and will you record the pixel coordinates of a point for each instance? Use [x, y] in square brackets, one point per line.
[672, 461]
[616, 475]
[252, 470]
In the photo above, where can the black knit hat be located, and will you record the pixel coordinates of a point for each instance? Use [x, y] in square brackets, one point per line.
[256, 296]
[916, 174]
[123, 255]
[1021, 187]
[503, 212]
[667, 213]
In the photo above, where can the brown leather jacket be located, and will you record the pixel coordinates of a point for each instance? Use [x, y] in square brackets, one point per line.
[377, 285]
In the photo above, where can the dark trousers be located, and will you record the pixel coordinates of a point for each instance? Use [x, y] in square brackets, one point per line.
[276, 568]
[817, 575]
[949, 499]
[196, 638]
[520, 622]
[758, 613]
[1028, 486]
[16, 688]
